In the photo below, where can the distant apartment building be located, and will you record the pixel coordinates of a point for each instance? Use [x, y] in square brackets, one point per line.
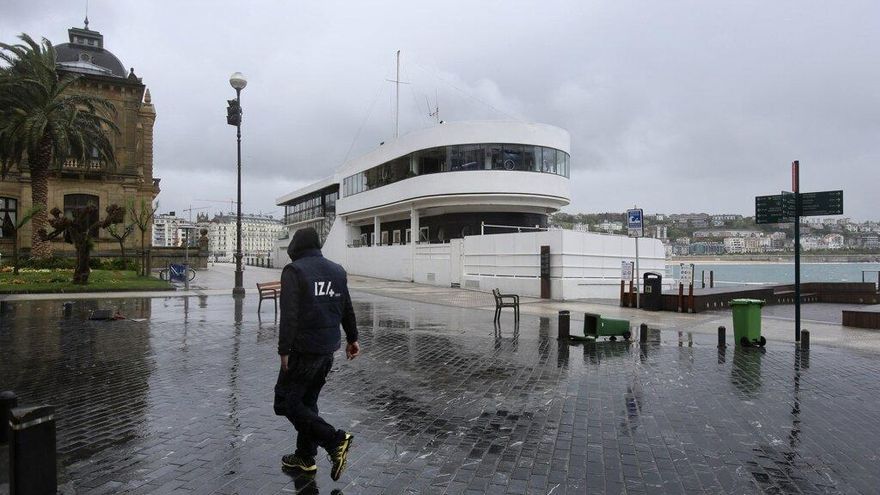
[660, 231]
[706, 248]
[871, 241]
[609, 226]
[726, 218]
[726, 233]
[757, 244]
[833, 241]
[259, 234]
[167, 231]
[734, 245]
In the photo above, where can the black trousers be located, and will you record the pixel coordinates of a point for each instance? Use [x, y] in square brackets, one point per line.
[296, 397]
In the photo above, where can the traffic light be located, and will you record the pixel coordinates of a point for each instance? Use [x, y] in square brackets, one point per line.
[233, 113]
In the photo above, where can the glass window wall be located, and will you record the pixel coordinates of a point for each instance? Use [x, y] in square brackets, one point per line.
[514, 157]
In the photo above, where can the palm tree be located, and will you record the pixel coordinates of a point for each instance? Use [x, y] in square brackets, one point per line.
[43, 123]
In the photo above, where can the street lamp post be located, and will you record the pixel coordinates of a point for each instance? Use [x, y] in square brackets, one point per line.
[233, 117]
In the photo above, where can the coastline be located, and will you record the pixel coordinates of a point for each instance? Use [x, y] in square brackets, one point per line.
[779, 259]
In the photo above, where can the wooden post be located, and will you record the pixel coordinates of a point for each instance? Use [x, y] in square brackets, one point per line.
[691, 299]
[632, 294]
[622, 292]
[711, 279]
[680, 297]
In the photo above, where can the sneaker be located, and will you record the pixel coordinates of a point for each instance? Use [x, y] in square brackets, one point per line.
[300, 463]
[338, 456]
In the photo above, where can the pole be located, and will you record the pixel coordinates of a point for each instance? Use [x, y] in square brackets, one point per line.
[637, 273]
[239, 285]
[795, 179]
[397, 104]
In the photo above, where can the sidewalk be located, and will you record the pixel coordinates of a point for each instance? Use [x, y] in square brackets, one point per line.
[821, 319]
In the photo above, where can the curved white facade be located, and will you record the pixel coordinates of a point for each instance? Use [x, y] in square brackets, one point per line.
[415, 209]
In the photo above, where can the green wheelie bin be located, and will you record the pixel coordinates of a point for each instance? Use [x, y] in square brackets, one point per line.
[596, 326]
[747, 322]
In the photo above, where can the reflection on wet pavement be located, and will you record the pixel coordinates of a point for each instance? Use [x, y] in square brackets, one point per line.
[441, 401]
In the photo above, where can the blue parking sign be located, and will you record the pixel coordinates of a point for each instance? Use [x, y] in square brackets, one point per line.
[634, 222]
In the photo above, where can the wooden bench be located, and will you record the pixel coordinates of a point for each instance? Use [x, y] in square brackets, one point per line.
[505, 301]
[269, 290]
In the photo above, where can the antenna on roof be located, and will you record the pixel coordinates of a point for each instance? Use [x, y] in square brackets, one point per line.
[434, 112]
[397, 82]
[87, 15]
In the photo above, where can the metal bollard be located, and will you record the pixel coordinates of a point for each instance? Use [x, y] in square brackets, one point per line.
[68, 308]
[722, 337]
[8, 402]
[564, 325]
[643, 332]
[32, 466]
[805, 339]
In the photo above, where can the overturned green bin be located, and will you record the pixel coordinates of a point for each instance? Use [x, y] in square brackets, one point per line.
[596, 326]
[747, 322]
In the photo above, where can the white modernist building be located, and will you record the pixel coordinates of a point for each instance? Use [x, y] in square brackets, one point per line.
[464, 204]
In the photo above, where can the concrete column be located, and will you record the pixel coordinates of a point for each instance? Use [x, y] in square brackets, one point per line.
[414, 238]
[377, 229]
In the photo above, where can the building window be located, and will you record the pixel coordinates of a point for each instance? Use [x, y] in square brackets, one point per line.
[73, 202]
[396, 237]
[8, 215]
[408, 236]
[423, 235]
[515, 157]
[384, 237]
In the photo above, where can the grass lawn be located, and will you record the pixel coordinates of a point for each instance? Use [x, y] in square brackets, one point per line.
[60, 281]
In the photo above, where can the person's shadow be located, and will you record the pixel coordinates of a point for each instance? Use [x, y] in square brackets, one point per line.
[306, 484]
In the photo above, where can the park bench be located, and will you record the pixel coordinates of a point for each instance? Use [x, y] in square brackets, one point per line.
[505, 301]
[269, 290]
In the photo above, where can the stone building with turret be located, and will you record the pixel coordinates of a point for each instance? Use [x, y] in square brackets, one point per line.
[128, 181]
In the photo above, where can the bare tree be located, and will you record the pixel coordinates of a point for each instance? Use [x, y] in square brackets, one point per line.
[80, 228]
[121, 231]
[143, 215]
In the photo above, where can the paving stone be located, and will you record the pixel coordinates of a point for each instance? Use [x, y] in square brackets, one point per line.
[440, 402]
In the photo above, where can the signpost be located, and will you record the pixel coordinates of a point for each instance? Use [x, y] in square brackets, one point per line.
[636, 227]
[626, 271]
[789, 207]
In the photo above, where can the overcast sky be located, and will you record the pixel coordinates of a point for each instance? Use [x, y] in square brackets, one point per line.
[677, 106]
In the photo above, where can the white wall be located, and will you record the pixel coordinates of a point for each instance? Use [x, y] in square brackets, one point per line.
[433, 264]
[582, 264]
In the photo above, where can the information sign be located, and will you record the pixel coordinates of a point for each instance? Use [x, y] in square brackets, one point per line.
[634, 222]
[772, 209]
[686, 274]
[626, 270]
[822, 203]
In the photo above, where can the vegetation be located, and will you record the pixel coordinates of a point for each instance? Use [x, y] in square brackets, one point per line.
[143, 215]
[79, 228]
[43, 123]
[51, 281]
[120, 231]
[11, 229]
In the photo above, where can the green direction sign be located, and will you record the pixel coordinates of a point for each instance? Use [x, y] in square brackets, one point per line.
[772, 209]
[822, 203]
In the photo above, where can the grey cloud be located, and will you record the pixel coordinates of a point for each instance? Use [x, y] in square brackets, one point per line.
[682, 105]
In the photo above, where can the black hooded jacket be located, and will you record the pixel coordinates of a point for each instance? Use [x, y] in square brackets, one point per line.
[314, 300]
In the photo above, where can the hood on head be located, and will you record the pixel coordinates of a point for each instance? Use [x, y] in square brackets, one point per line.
[303, 240]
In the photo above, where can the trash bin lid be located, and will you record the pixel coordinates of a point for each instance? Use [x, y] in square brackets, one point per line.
[743, 302]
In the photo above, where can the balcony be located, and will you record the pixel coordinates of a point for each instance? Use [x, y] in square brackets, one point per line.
[91, 166]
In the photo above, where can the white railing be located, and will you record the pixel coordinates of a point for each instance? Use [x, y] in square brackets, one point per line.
[91, 165]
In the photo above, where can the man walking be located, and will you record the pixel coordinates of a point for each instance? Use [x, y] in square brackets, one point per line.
[314, 301]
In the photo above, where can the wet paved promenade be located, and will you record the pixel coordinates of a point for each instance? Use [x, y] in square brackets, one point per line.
[440, 402]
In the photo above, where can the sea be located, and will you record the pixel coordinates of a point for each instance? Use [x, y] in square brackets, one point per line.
[764, 273]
